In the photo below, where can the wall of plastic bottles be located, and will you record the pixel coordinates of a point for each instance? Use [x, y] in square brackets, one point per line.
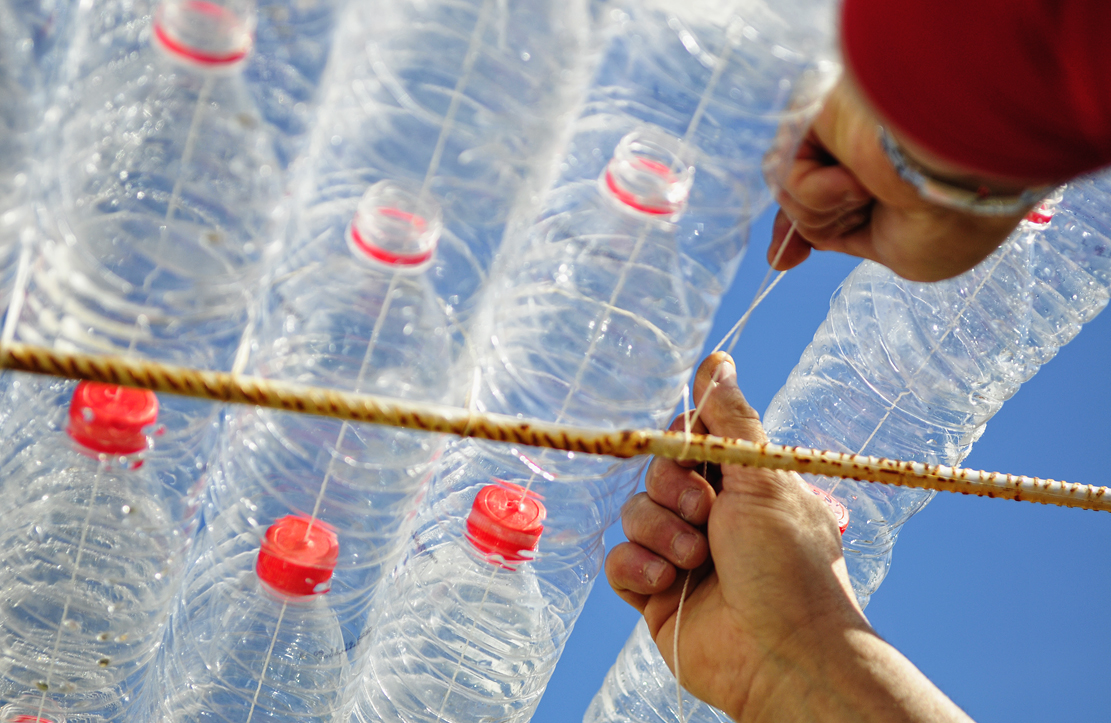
[528, 207]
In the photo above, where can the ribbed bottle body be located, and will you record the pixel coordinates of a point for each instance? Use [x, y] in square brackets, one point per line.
[158, 195]
[464, 99]
[241, 650]
[92, 558]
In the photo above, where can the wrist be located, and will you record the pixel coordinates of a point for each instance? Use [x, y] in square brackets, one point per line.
[840, 672]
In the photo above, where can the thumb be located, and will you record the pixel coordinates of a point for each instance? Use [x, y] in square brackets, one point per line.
[725, 411]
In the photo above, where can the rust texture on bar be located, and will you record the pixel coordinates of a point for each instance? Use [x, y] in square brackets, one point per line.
[224, 387]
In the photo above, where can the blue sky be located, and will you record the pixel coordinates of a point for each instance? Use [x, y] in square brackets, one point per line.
[1000, 603]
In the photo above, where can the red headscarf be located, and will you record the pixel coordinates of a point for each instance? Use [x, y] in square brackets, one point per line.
[1018, 88]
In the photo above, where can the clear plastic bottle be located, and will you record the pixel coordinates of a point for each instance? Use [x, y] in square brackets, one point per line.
[20, 113]
[91, 554]
[354, 310]
[293, 42]
[46, 26]
[598, 323]
[912, 371]
[473, 633]
[161, 187]
[915, 371]
[158, 193]
[733, 79]
[252, 634]
[602, 314]
[465, 99]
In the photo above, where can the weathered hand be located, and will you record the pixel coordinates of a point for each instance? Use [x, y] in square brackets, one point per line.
[844, 195]
[770, 628]
[777, 566]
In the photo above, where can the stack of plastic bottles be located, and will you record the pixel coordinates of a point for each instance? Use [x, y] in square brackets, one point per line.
[530, 208]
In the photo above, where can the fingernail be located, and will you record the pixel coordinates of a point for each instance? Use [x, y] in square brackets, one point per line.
[683, 546]
[688, 503]
[654, 570]
[728, 370]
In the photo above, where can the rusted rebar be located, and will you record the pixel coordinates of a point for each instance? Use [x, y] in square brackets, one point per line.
[224, 387]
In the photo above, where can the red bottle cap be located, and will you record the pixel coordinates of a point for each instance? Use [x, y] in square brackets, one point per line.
[111, 419]
[506, 520]
[839, 511]
[296, 560]
[24, 718]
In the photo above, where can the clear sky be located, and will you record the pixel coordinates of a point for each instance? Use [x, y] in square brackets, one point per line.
[1000, 603]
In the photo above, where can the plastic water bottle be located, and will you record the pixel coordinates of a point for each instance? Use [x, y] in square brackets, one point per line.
[161, 190]
[20, 112]
[159, 193]
[735, 80]
[252, 633]
[91, 554]
[474, 628]
[927, 365]
[354, 310]
[598, 323]
[466, 100]
[912, 371]
[46, 27]
[293, 41]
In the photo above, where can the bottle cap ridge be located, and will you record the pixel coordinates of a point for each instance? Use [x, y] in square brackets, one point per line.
[839, 510]
[202, 32]
[395, 226]
[505, 520]
[111, 419]
[647, 174]
[296, 560]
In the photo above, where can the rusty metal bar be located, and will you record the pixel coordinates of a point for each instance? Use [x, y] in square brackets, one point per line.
[224, 387]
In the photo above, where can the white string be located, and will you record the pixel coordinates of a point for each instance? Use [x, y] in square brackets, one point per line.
[689, 420]
[266, 662]
[675, 646]
[761, 294]
[72, 583]
[474, 49]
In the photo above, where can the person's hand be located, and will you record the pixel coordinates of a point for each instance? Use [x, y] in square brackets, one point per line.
[844, 195]
[770, 627]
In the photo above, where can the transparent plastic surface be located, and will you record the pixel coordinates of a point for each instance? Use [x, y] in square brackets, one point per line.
[598, 322]
[915, 371]
[92, 554]
[640, 688]
[464, 99]
[45, 27]
[293, 42]
[912, 371]
[240, 650]
[159, 190]
[600, 317]
[735, 80]
[20, 112]
[338, 316]
[462, 636]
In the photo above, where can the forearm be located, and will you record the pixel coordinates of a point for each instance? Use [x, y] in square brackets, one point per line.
[851, 675]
